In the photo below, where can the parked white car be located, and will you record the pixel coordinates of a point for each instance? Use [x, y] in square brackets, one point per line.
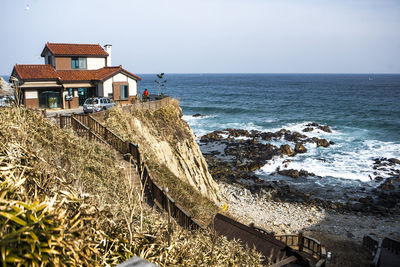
[97, 104]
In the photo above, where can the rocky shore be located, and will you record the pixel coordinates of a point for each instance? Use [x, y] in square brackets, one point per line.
[234, 155]
[290, 218]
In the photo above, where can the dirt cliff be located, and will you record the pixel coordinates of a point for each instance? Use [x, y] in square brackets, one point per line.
[168, 142]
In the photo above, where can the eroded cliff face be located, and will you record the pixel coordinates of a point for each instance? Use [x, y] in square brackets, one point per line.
[164, 137]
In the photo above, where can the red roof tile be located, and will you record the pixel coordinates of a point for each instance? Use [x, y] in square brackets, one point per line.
[61, 49]
[47, 72]
[36, 72]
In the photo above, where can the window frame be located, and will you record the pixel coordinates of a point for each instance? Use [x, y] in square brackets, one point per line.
[78, 63]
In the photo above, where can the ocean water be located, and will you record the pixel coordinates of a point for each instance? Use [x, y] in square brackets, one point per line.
[363, 112]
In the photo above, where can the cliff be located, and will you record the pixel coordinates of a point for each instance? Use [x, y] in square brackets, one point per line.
[168, 145]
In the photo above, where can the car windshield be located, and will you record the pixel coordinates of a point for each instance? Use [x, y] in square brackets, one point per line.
[89, 101]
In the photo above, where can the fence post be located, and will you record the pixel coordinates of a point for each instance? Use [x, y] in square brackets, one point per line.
[58, 119]
[301, 241]
[126, 147]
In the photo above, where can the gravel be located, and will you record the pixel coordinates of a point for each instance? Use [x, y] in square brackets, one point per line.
[290, 218]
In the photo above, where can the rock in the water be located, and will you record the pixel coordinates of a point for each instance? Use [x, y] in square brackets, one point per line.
[308, 129]
[299, 148]
[291, 173]
[325, 128]
[394, 160]
[287, 150]
[321, 142]
[197, 115]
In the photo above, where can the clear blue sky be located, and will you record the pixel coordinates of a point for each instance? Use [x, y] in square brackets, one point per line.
[223, 36]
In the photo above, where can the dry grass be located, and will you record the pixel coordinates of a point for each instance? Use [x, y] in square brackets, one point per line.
[66, 201]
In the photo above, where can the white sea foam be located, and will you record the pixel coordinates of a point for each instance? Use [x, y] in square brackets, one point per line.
[342, 160]
[190, 118]
[351, 157]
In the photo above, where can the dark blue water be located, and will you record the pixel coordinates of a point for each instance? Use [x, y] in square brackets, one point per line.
[362, 110]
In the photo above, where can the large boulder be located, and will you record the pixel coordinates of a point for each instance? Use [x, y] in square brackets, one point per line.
[394, 160]
[287, 150]
[325, 128]
[291, 173]
[321, 142]
[299, 148]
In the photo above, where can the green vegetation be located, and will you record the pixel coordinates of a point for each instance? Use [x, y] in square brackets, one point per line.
[67, 201]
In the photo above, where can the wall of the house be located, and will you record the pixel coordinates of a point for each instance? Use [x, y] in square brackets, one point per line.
[94, 63]
[115, 81]
[63, 63]
[31, 98]
[74, 102]
[107, 87]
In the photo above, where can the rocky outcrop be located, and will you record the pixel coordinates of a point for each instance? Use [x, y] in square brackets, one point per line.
[299, 148]
[310, 128]
[287, 150]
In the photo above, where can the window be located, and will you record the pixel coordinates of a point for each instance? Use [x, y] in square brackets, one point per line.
[70, 91]
[49, 61]
[78, 62]
[123, 91]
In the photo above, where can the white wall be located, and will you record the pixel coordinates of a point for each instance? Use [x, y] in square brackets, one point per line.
[120, 78]
[94, 63]
[107, 87]
[132, 87]
[31, 94]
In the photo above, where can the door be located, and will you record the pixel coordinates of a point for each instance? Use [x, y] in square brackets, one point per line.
[50, 99]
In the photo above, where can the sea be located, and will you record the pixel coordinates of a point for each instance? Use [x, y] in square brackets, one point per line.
[363, 111]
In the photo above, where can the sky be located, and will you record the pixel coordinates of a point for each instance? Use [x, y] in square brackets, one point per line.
[211, 36]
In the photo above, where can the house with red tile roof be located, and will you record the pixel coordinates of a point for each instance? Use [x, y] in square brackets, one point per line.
[71, 74]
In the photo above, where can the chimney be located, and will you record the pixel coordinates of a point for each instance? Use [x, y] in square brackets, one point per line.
[107, 48]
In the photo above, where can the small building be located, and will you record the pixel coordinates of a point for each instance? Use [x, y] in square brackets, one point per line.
[71, 74]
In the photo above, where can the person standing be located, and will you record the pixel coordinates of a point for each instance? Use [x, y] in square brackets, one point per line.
[145, 95]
